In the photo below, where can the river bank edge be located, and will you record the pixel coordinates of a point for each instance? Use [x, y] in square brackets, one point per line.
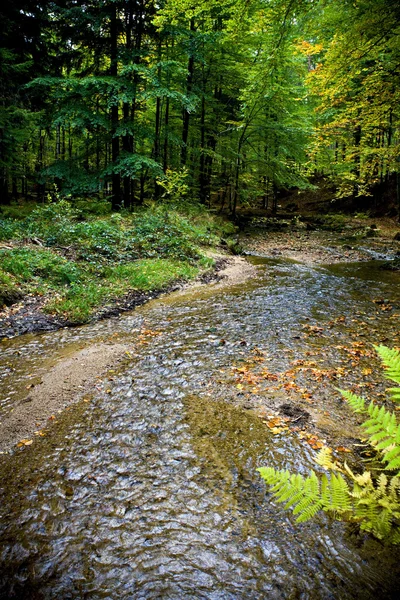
[74, 377]
[28, 316]
[71, 378]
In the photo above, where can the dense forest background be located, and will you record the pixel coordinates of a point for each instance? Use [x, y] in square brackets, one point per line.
[239, 101]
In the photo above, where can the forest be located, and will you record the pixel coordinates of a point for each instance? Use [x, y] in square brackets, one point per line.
[199, 299]
[240, 100]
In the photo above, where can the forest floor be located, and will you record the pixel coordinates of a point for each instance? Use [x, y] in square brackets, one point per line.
[356, 240]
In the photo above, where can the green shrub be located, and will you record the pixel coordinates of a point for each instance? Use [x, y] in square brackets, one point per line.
[8, 229]
[27, 264]
[334, 222]
[91, 207]
[370, 499]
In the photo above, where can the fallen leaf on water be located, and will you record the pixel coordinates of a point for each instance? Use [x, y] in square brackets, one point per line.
[316, 444]
[276, 430]
[24, 443]
[342, 449]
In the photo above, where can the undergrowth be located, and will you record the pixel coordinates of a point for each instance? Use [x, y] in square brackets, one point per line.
[80, 260]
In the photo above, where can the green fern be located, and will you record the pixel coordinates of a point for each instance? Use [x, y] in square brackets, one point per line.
[391, 361]
[308, 495]
[373, 503]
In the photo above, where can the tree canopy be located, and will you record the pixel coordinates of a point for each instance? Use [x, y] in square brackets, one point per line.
[241, 99]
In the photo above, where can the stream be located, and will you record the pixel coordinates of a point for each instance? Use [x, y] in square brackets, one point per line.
[148, 488]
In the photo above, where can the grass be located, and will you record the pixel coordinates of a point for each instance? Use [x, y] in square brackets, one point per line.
[79, 301]
[86, 261]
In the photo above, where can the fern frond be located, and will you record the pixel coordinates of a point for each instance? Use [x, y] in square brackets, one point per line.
[393, 465]
[372, 503]
[324, 459]
[395, 393]
[394, 538]
[391, 361]
[357, 403]
[391, 454]
[301, 494]
[384, 433]
[340, 494]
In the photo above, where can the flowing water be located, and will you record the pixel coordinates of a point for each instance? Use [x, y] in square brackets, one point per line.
[149, 489]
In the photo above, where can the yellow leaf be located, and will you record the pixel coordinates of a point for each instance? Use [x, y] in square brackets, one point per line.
[24, 443]
[276, 430]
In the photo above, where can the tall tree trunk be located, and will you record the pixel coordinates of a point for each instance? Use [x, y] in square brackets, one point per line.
[157, 125]
[189, 85]
[202, 175]
[166, 122]
[69, 143]
[127, 140]
[114, 113]
[166, 116]
[41, 188]
[4, 193]
[236, 187]
[14, 187]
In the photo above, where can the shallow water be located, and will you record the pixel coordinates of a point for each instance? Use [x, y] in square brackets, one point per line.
[150, 490]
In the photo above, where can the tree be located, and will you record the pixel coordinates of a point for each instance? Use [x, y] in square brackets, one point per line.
[356, 81]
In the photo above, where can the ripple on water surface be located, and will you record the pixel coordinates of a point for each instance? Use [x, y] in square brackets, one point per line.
[152, 491]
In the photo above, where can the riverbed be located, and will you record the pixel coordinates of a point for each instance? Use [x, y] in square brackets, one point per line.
[147, 487]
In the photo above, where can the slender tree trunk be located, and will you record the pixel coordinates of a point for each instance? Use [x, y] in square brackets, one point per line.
[236, 187]
[389, 140]
[14, 187]
[157, 125]
[202, 186]
[266, 190]
[114, 113]
[274, 198]
[58, 141]
[127, 140]
[166, 116]
[41, 188]
[4, 193]
[398, 191]
[142, 184]
[166, 122]
[189, 85]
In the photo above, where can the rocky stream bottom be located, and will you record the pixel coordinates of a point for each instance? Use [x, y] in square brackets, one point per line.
[147, 487]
